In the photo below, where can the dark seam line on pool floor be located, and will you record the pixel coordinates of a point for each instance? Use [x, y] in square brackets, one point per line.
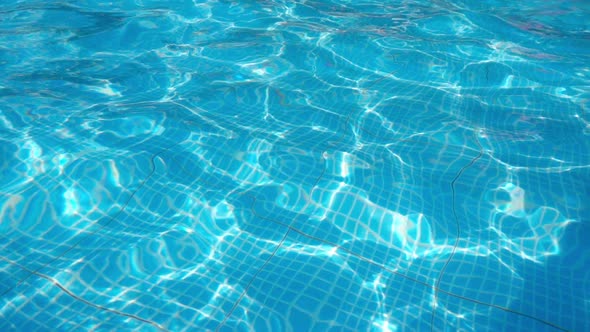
[435, 288]
[289, 229]
[78, 298]
[85, 236]
[251, 281]
[453, 204]
[399, 274]
[141, 184]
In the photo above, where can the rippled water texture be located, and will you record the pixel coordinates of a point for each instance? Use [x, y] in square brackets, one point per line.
[295, 165]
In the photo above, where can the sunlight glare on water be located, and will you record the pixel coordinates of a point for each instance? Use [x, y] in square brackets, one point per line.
[308, 165]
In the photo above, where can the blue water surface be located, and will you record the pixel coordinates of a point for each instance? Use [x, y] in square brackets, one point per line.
[295, 165]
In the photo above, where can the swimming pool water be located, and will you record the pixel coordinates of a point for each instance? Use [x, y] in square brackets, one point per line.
[295, 165]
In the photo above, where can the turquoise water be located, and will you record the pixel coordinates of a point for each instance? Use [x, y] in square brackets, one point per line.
[295, 165]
